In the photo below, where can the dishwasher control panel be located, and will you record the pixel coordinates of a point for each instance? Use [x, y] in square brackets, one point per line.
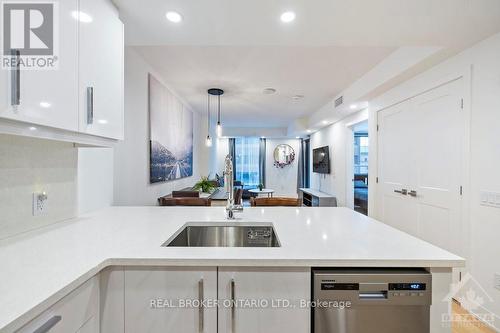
[385, 286]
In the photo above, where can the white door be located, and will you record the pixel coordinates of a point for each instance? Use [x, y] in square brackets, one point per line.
[420, 151]
[101, 69]
[395, 160]
[265, 287]
[436, 177]
[48, 97]
[153, 295]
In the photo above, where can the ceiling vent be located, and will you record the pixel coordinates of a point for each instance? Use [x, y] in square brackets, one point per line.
[339, 101]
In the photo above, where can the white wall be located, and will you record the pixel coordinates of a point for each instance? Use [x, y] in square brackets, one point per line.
[95, 179]
[282, 180]
[33, 165]
[338, 137]
[131, 157]
[481, 67]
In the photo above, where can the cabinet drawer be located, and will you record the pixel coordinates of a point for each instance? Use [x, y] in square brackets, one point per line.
[71, 313]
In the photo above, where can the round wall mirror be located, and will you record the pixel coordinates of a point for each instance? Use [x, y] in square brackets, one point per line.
[283, 155]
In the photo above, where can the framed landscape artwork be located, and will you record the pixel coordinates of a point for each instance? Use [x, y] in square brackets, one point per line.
[171, 135]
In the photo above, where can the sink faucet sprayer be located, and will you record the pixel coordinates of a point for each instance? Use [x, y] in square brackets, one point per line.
[228, 183]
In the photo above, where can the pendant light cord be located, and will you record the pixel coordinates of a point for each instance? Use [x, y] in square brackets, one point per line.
[218, 97]
[208, 118]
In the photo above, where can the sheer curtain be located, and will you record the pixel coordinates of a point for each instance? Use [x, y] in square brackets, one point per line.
[303, 163]
[247, 161]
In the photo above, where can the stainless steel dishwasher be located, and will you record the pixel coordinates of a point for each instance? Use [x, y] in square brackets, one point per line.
[371, 300]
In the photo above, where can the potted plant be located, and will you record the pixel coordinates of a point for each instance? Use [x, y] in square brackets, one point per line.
[261, 186]
[204, 185]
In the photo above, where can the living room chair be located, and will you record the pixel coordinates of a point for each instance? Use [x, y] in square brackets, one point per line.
[185, 194]
[281, 202]
[184, 201]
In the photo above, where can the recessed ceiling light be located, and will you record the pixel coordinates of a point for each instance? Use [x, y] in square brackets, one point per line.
[173, 17]
[287, 17]
[81, 16]
[325, 122]
[297, 137]
[32, 128]
[45, 105]
[269, 91]
[308, 131]
[353, 106]
[102, 121]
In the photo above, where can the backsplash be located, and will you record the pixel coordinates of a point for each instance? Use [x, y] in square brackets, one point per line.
[32, 165]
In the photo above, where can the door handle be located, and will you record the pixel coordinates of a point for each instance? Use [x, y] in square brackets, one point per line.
[47, 326]
[233, 307]
[15, 80]
[90, 105]
[201, 308]
[402, 191]
[373, 295]
[413, 193]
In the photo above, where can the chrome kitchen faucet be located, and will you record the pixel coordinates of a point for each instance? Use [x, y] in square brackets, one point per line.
[228, 183]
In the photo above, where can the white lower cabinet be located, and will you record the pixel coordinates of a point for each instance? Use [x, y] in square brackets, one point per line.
[153, 299]
[76, 312]
[168, 299]
[261, 296]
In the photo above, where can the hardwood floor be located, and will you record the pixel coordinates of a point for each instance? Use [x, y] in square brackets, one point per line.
[472, 326]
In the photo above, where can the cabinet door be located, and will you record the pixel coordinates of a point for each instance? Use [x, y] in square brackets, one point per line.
[76, 312]
[101, 69]
[48, 97]
[153, 299]
[261, 296]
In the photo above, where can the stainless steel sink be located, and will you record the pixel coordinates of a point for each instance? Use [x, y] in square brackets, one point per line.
[224, 235]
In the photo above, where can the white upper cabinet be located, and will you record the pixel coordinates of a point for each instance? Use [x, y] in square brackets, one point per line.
[45, 96]
[101, 69]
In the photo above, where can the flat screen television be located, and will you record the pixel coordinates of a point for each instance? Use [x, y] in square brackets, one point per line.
[321, 160]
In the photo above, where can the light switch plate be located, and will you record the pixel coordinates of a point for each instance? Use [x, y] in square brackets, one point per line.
[497, 281]
[491, 199]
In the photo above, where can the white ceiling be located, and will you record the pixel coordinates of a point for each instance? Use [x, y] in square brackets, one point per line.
[317, 73]
[242, 47]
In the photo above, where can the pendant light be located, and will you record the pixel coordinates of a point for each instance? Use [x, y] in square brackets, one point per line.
[217, 92]
[208, 142]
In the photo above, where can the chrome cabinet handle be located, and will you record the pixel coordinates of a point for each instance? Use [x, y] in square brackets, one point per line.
[233, 307]
[90, 105]
[413, 193]
[47, 326]
[201, 309]
[402, 191]
[15, 80]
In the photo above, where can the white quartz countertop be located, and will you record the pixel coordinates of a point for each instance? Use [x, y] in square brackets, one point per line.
[40, 267]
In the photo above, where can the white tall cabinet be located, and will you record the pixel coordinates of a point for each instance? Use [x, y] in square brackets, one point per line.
[47, 97]
[100, 88]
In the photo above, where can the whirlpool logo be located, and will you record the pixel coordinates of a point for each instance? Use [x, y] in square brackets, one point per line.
[30, 35]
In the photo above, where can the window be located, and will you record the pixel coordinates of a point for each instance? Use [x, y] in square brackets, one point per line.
[361, 144]
[247, 161]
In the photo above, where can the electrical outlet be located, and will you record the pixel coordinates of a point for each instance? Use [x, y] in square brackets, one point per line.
[39, 203]
[497, 281]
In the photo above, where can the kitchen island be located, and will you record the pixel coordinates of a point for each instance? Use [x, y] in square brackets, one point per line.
[41, 267]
